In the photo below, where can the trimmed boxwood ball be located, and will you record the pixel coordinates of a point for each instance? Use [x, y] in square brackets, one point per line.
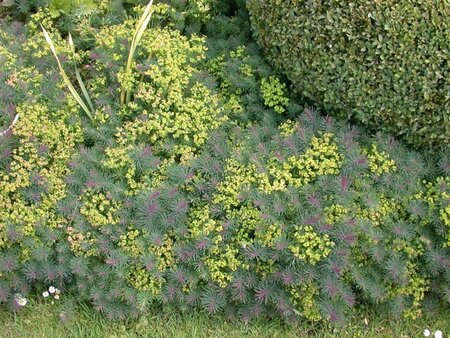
[384, 64]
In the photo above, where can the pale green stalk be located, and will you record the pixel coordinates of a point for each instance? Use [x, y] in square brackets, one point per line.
[66, 78]
[137, 36]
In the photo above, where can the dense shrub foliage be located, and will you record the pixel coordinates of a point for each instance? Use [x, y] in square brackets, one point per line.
[384, 64]
[80, 15]
[201, 192]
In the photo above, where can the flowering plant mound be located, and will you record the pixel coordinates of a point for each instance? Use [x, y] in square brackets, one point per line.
[199, 192]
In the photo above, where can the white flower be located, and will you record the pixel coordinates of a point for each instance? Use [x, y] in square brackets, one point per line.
[52, 289]
[426, 333]
[438, 334]
[63, 316]
[21, 300]
[45, 294]
[56, 296]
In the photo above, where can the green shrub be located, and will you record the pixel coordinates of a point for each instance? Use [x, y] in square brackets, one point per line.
[384, 64]
[198, 192]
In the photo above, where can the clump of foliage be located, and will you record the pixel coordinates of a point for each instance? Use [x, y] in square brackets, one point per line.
[382, 63]
[24, 8]
[314, 218]
[182, 13]
[200, 192]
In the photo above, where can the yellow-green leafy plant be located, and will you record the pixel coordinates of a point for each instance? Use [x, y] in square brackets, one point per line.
[273, 93]
[125, 95]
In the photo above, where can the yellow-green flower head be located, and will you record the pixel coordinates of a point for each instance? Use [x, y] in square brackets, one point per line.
[379, 161]
[309, 246]
[272, 90]
[98, 209]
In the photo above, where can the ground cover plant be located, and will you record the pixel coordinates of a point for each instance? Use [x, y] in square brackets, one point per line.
[205, 185]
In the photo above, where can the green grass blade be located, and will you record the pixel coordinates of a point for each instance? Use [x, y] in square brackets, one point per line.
[83, 89]
[144, 16]
[65, 77]
[143, 23]
[138, 33]
[138, 38]
[80, 80]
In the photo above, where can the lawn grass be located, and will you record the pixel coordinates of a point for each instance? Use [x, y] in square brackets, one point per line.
[42, 319]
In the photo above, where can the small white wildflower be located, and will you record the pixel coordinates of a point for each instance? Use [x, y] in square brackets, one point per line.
[24, 301]
[63, 316]
[426, 333]
[52, 289]
[45, 294]
[21, 300]
[56, 296]
[438, 334]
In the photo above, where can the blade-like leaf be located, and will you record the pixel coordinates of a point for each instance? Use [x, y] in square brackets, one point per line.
[80, 80]
[139, 32]
[65, 77]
